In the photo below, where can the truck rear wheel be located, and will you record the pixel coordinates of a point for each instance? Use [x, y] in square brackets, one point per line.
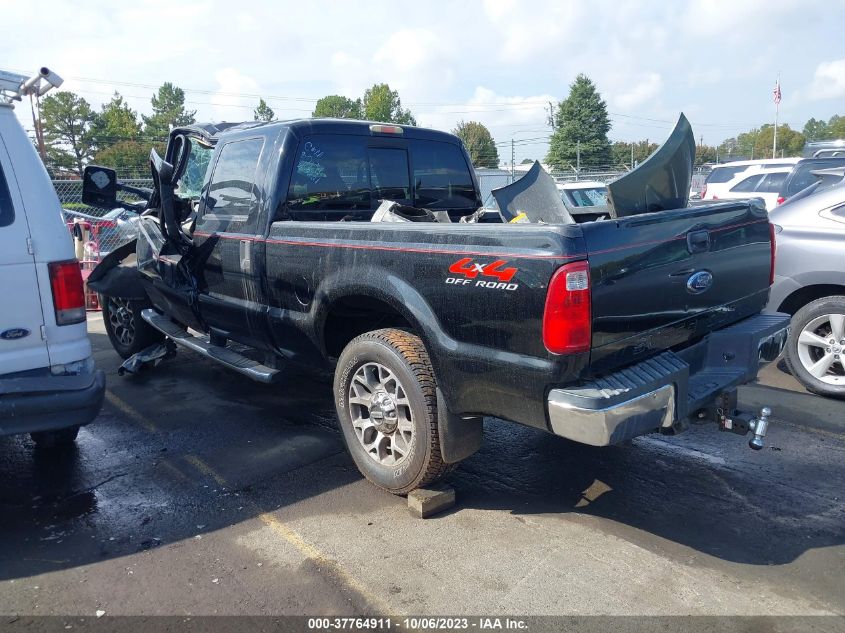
[385, 394]
[127, 331]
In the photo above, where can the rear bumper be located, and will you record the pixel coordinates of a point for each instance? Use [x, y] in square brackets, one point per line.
[662, 391]
[45, 402]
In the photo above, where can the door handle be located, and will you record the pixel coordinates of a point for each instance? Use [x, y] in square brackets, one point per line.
[698, 241]
[245, 252]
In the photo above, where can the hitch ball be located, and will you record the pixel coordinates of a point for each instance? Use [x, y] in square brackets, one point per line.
[759, 427]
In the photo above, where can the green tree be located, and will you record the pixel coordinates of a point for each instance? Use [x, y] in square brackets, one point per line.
[621, 152]
[168, 110]
[580, 119]
[479, 143]
[263, 112]
[116, 122]
[816, 130]
[836, 127]
[705, 154]
[337, 107]
[758, 142]
[126, 156]
[68, 122]
[380, 103]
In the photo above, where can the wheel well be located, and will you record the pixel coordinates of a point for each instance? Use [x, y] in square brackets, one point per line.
[805, 295]
[354, 315]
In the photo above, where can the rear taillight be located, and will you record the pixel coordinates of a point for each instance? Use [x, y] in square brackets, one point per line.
[704, 193]
[781, 199]
[566, 319]
[68, 293]
[773, 249]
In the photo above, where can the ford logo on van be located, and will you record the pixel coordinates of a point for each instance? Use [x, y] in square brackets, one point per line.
[700, 282]
[14, 333]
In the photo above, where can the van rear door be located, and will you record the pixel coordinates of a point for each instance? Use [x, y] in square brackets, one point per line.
[21, 345]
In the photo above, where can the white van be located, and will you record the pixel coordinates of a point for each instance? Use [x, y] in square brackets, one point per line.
[48, 384]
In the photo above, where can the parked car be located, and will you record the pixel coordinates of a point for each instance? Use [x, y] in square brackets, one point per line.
[716, 182]
[810, 286]
[299, 249]
[49, 386]
[585, 198]
[809, 170]
[756, 182]
[824, 149]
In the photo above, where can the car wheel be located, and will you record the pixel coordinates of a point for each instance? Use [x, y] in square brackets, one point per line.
[60, 438]
[127, 331]
[385, 394]
[815, 351]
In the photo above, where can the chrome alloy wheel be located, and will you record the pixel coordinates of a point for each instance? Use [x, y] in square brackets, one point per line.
[821, 348]
[122, 320]
[381, 414]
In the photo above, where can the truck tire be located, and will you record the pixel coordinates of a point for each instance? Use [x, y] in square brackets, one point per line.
[815, 351]
[60, 438]
[127, 331]
[385, 394]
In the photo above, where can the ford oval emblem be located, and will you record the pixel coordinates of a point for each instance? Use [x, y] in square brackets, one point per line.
[700, 282]
[14, 333]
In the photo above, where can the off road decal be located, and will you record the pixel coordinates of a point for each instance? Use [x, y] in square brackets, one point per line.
[469, 272]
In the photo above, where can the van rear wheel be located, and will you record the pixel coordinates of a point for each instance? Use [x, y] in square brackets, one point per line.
[127, 331]
[386, 400]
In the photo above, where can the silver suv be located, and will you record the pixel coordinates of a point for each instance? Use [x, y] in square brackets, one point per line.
[810, 285]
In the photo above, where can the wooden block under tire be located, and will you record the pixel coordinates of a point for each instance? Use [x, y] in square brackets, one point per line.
[426, 502]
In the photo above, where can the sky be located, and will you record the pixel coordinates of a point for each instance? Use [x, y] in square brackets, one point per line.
[498, 62]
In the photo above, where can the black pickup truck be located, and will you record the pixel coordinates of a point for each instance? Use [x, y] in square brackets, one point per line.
[259, 247]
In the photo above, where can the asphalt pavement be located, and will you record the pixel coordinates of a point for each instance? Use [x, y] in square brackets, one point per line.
[197, 492]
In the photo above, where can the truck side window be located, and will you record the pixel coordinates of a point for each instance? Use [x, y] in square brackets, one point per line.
[7, 211]
[441, 176]
[330, 173]
[232, 189]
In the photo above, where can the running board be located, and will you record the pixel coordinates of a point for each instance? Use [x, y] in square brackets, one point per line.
[223, 355]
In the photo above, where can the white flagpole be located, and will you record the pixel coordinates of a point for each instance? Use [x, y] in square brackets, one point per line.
[777, 112]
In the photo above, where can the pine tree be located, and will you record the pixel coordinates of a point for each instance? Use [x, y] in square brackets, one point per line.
[263, 112]
[168, 111]
[580, 120]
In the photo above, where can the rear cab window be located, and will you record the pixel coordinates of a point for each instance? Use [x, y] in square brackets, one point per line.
[7, 210]
[345, 176]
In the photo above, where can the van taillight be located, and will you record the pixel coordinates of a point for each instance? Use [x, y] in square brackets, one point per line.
[781, 199]
[68, 293]
[566, 319]
[773, 249]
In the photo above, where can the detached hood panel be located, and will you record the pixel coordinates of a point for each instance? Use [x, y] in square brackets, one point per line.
[662, 181]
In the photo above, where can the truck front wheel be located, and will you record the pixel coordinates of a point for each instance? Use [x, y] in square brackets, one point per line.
[385, 394]
[127, 331]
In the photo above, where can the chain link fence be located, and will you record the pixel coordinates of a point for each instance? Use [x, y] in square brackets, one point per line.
[97, 232]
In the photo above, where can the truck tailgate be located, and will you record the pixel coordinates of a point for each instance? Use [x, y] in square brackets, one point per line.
[663, 280]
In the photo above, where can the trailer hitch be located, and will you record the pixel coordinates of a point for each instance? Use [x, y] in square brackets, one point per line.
[730, 419]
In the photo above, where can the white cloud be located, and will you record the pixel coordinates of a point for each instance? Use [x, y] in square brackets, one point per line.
[642, 90]
[828, 80]
[227, 106]
[528, 31]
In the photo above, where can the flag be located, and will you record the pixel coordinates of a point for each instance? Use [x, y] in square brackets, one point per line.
[776, 92]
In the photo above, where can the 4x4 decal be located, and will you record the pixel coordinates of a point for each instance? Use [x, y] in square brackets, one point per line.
[469, 270]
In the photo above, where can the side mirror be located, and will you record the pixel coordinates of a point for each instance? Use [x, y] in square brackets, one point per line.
[99, 187]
